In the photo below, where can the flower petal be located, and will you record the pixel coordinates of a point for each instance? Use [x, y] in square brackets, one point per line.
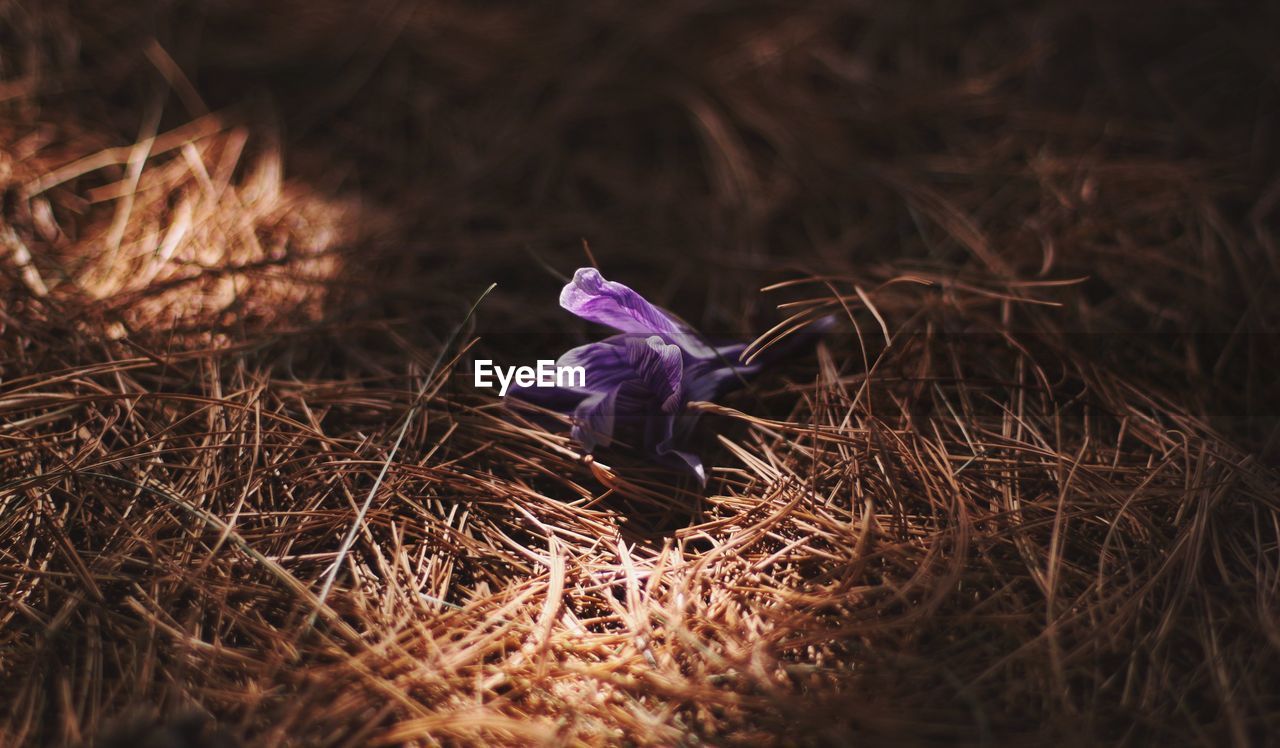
[649, 373]
[605, 362]
[708, 379]
[559, 399]
[660, 367]
[687, 460]
[595, 299]
[661, 438]
[593, 420]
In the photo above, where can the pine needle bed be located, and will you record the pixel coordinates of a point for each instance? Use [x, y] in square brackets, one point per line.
[1025, 493]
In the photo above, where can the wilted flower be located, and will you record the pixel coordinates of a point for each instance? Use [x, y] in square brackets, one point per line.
[639, 381]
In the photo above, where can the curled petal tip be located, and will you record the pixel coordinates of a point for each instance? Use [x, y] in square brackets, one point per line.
[615, 305]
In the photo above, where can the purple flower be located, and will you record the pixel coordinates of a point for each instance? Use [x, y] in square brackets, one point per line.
[639, 381]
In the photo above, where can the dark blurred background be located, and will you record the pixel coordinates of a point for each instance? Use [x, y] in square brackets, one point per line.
[702, 149]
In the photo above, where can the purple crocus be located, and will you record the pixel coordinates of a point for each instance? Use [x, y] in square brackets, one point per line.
[639, 381]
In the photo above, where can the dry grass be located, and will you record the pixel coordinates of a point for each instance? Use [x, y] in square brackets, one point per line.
[1027, 494]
